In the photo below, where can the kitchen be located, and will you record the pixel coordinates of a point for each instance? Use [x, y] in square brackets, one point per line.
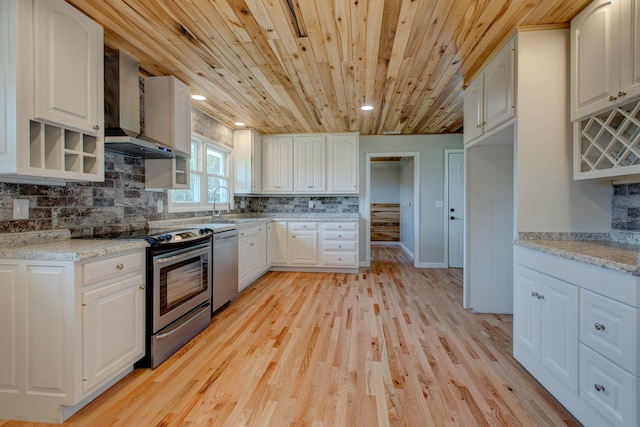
[121, 201]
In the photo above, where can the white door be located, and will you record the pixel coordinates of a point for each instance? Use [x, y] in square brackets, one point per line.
[455, 179]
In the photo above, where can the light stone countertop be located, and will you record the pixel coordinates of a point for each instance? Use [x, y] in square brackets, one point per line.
[611, 255]
[72, 249]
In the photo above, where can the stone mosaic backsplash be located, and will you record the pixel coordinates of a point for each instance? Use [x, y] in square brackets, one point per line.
[298, 204]
[625, 207]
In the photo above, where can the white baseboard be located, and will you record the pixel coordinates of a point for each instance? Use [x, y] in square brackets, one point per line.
[431, 265]
[407, 251]
[385, 244]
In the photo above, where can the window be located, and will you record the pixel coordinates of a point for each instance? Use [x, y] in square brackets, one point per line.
[209, 170]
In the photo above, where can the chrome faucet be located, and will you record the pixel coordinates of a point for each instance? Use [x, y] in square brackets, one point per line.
[219, 215]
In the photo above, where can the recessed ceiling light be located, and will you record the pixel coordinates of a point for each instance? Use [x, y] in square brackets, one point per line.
[239, 124]
[198, 97]
[366, 107]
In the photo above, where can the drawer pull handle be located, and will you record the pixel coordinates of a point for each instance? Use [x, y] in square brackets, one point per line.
[120, 266]
[599, 387]
[599, 327]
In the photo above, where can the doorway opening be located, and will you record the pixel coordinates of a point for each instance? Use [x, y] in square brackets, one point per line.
[392, 202]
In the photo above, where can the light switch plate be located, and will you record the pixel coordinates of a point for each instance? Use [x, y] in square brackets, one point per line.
[160, 206]
[311, 203]
[20, 208]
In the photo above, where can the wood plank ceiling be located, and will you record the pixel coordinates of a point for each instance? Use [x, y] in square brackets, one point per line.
[283, 66]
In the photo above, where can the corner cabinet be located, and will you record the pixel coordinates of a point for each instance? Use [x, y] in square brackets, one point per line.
[569, 315]
[51, 85]
[247, 154]
[489, 98]
[605, 56]
[69, 331]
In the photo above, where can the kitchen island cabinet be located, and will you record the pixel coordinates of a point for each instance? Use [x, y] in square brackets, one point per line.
[70, 326]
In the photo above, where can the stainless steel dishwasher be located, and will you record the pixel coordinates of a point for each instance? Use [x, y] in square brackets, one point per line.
[225, 268]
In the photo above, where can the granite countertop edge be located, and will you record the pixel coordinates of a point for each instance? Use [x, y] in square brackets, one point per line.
[72, 249]
[581, 256]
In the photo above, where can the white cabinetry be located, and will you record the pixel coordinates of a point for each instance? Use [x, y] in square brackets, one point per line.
[303, 243]
[247, 153]
[51, 85]
[489, 100]
[340, 244]
[309, 160]
[277, 164]
[68, 331]
[342, 172]
[167, 111]
[277, 243]
[546, 323]
[252, 254]
[546, 320]
[605, 56]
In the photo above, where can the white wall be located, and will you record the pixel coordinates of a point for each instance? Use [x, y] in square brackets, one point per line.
[385, 182]
[406, 204]
[431, 149]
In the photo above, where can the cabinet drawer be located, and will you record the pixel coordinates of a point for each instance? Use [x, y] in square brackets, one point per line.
[611, 390]
[98, 271]
[337, 245]
[611, 329]
[341, 235]
[341, 226]
[296, 226]
[249, 232]
[341, 259]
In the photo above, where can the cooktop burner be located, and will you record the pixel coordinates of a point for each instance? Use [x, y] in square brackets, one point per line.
[159, 237]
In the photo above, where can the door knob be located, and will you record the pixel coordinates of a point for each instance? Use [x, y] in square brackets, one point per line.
[453, 210]
[452, 218]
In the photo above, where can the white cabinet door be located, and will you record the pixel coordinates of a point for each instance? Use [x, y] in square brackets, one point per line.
[277, 167]
[498, 88]
[245, 263]
[473, 115]
[113, 330]
[259, 251]
[167, 111]
[277, 253]
[304, 247]
[342, 164]
[526, 311]
[9, 330]
[595, 58]
[309, 154]
[247, 154]
[68, 67]
[559, 329]
[630, 48]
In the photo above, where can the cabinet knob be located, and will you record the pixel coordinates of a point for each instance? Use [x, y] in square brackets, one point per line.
[96, 127]
[120, 266]
[621, 93]
[612, 98]
[540, 296]
[599, 387]
[252, 244]
[534, 294]
[599, 327]
[142, 287]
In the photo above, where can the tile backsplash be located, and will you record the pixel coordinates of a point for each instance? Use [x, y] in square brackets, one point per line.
[625, 207]
[297, 204]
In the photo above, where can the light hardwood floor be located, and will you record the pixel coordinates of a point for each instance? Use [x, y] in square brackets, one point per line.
[391, 345]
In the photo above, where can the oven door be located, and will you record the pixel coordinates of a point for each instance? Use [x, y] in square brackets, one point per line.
[181, 282]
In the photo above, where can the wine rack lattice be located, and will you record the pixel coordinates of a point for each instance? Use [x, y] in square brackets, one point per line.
[611, 139]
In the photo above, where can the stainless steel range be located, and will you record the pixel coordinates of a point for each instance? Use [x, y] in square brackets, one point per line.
[179, 296]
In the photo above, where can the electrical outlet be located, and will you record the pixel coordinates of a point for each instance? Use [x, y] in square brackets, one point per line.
[20, 208]
[311, 203]
[243, 204]
[160, 206]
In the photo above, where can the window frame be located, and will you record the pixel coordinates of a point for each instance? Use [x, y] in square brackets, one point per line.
[204, 143]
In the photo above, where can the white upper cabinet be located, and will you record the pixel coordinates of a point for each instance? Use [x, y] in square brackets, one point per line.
[68, 65]
[309, 154]
[343, 163]
[51, 92]
[277, 164]
[167, 111]
[247, 154]
[605, 56]
[489, 100]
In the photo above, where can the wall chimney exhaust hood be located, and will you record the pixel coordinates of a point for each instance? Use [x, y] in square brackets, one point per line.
[122, 112]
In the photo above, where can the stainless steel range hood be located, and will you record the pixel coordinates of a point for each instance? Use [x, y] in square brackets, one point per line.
[122, 112]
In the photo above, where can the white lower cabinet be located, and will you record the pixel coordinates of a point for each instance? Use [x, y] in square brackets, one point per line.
[576, 330]
[252, 254]
[303, 243]
[340, 244]
[277, 243]
[65, 335]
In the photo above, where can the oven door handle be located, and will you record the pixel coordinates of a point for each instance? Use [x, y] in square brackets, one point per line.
[175, 258]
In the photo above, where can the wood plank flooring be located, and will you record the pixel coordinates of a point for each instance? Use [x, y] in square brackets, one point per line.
[390, 346]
